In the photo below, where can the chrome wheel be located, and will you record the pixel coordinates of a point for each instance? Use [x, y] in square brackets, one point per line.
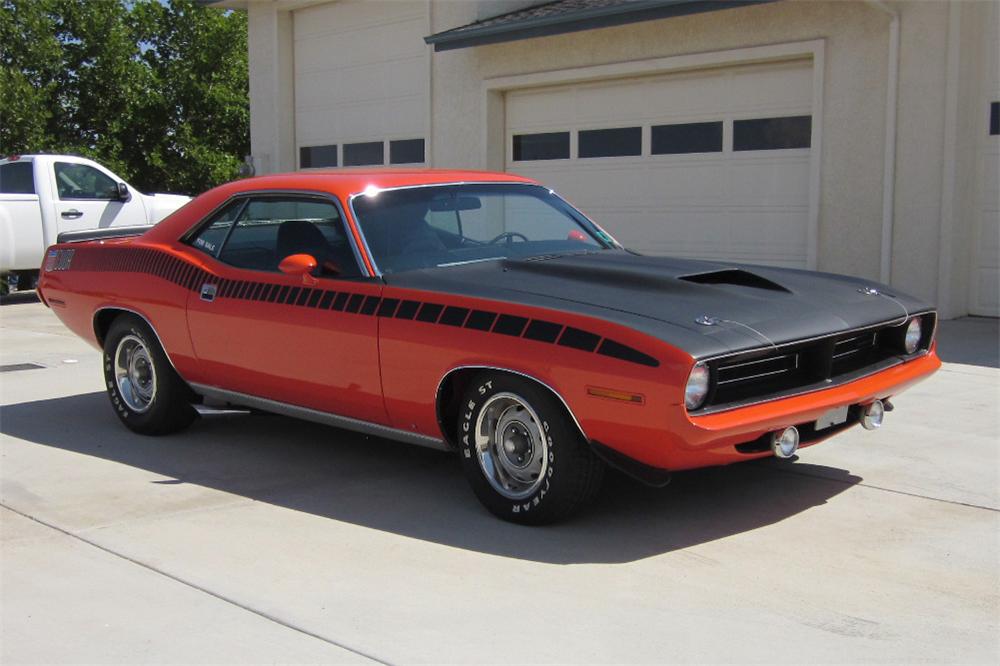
[511, 445]
[135, 375]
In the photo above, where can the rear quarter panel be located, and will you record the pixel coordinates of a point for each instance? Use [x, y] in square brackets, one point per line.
[151, 280]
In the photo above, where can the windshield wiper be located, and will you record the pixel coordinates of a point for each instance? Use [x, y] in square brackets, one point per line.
[558, 255]
[469, 261]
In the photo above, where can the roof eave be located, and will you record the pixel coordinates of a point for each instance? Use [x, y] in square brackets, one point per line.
[589, 19]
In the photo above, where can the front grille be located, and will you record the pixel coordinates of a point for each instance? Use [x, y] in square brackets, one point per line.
[786, 369]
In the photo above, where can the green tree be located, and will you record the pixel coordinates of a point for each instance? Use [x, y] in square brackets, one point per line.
[157, 92]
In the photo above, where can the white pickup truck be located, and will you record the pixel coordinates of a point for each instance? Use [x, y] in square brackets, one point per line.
[43, 196]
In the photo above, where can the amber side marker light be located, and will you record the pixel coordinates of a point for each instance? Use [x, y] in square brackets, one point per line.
[634, 398]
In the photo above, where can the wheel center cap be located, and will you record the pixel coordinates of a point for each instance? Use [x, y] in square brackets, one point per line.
[517, 445]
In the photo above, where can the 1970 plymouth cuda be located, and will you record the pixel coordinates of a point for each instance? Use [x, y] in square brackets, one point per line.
[481, 313]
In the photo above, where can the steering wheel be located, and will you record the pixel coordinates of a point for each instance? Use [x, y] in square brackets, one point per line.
[509, 236]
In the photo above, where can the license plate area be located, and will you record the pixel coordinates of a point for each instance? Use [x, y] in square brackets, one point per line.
[833, 417]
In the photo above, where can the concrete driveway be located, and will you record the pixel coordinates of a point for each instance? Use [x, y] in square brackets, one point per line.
[262, 539]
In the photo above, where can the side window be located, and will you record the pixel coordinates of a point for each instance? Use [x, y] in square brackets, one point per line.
[268, 230]
[79, 181]
[211, 236]
[17, 178]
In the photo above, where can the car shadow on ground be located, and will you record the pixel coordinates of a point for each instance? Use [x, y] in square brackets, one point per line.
[420, 493]
[18, 297]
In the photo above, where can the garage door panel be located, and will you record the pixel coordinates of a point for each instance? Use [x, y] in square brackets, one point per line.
[741, 206]
[541, 109]
[775, 181]
[324, 91]
[348, 16]
[361, 72]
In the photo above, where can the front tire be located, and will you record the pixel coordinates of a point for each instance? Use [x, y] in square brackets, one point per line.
[146, 393]
[524, 458]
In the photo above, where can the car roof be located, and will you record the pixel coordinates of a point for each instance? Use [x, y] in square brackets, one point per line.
[346, 182]
[340, 182]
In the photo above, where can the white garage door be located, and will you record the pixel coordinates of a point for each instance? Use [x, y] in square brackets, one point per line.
[361, 83]
[711, 164]
[986, 253]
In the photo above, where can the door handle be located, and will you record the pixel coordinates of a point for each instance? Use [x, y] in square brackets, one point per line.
[208, 292]
[72, 214]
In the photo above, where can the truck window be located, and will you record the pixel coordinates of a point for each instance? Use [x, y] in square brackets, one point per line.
[17, 178]
[79, 181]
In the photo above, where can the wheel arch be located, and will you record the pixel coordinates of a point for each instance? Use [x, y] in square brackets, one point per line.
[105, 316]
[454, 383]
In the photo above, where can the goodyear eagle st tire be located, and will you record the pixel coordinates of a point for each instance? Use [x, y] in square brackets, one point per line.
[524, 458]
[145, 391]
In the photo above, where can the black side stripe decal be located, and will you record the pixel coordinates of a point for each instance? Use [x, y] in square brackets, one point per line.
[190, 277]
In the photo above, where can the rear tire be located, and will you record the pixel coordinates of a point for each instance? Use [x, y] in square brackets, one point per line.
[522, 454]
[145, 391]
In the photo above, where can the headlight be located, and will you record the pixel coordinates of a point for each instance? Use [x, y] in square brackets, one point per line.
[697, 386]
[914, 331]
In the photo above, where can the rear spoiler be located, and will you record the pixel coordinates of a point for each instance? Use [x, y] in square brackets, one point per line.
[100, 234]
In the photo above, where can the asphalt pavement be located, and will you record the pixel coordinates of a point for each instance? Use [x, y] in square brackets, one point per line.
[260, 539]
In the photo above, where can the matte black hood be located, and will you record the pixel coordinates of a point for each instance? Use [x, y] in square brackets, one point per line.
[702, 307]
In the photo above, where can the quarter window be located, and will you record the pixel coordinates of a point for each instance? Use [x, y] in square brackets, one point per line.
[619, 142]
[212, 235]
[364, 154]
[17, 178]
[544, 146]
[772, 133]
[79, 181]
[687, 138]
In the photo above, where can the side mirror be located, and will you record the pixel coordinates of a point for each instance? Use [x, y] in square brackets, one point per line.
[299, 264]
[123, 193]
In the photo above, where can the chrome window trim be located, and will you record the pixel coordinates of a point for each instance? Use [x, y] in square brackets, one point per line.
[364, 240]
[316, 194]
[317, 416]
[437, 394]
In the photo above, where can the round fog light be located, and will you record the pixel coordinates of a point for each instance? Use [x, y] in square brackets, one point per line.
[872, 416]
[784, 444]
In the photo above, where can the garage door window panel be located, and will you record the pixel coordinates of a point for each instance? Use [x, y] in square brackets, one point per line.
[369, 153]
[772, 133]
[686, 138]
[313, 157]
[542, 146]
[406, 151]
[617, 142]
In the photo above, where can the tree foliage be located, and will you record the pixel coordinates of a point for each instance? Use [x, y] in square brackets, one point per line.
[157, 92]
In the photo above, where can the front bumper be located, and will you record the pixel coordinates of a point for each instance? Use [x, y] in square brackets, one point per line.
[712, 439]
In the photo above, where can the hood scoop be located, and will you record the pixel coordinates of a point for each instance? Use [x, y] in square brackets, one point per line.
[735, 277]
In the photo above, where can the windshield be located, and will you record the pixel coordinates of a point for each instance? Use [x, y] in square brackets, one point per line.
[428, 226]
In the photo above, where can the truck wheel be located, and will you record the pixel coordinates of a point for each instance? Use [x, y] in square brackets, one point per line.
[146, 393]
[523, 456]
